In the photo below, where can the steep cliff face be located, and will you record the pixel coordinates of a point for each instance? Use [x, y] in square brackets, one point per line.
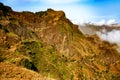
[49, 44]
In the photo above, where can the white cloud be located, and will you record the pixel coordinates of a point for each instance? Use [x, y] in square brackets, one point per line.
[112, 36]
[102, 22]
[111, 21]
[106, 22]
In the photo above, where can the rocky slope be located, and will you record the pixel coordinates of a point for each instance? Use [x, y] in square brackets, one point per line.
[51, 46]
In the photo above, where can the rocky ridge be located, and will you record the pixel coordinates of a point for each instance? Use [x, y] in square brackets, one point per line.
[50, 45]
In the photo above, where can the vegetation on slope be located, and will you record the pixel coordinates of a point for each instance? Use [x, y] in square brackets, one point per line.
[49, 44]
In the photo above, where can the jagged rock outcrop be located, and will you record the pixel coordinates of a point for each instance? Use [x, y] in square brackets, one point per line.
[49, 44]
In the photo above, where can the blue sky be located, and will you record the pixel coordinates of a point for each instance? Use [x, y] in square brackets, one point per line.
[76, 10]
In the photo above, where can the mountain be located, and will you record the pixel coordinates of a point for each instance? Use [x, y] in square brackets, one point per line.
[47, 46]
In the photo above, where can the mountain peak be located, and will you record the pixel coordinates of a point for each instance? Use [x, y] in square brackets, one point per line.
[50, 13]
[5, 8]
[50, 44]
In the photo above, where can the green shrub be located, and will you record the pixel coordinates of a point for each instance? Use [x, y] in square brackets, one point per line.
[28, 64]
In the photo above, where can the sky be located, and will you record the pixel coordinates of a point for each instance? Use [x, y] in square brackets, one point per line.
[78, 11]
